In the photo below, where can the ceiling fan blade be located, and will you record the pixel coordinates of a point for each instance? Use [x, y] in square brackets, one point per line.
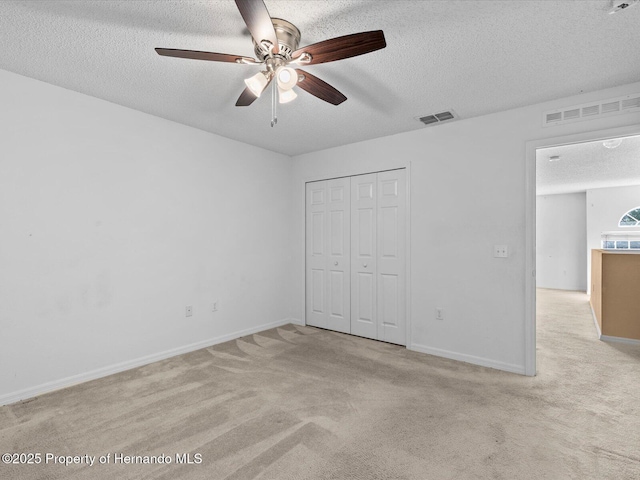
[246, 98]
[343, 47]
[320, 88]
[256, 16]
[211, 56]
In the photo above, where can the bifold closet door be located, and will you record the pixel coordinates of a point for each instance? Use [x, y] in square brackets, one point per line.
[363, 255]
[328, 253]
[355, 244]
[378, 216]
[316, 218]
[391, 261]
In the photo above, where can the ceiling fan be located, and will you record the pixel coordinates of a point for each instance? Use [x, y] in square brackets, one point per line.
[276, 46]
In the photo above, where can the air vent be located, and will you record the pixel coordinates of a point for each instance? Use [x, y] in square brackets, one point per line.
[444, 116]
[429, 119]
[555, 117]
[587, 111]
[592, 110]
[610, 107]
[631, 103]
[438, 117]
[570, 114]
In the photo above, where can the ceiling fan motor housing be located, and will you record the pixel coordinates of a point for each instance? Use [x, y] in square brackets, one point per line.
[288, 37]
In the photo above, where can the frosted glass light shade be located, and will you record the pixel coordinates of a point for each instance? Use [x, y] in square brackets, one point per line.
[257, 83]
[285, 96]
[287, 78]
[612, 143]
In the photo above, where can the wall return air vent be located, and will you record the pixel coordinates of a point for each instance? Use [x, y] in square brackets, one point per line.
[437, 118]
[587, 111]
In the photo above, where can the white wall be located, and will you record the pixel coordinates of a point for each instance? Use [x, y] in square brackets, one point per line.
[467, 194]
[605, 206]
[561, 241]
[112, 221]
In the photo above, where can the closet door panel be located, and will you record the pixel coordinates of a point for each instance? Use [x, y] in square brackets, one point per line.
[363, 256]
[390, 274]
[339, 255]
[316, 254]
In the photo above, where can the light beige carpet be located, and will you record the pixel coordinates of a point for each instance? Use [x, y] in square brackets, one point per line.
[301, 403]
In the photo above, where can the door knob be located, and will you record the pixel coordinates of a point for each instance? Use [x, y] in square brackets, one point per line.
[335, 263]
[364, 265]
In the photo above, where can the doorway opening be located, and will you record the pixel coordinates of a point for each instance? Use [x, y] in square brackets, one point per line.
[573, 185]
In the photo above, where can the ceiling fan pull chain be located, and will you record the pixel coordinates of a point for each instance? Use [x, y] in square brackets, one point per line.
[274, 93]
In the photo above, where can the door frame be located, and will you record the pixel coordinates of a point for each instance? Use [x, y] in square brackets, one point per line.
[353, 173]
[530, 224]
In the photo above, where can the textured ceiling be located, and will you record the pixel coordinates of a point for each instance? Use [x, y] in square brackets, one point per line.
[475, 57]
[588, 165]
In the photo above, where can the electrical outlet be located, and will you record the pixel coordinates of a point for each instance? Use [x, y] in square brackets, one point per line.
[439, 313]
[500, 251]
[188, 311]
[214, 308]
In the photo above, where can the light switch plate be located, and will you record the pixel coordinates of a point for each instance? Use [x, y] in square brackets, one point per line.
[500, 251]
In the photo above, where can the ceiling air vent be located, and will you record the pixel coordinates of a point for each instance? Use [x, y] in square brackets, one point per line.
[438, 117]
[429, 119]
[587, 111]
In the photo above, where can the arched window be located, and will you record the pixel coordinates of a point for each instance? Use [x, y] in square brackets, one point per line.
[624, 240]
[630, 219]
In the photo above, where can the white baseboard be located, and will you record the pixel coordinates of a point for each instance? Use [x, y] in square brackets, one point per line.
[630, 341]
[462, 357]
[138, 362]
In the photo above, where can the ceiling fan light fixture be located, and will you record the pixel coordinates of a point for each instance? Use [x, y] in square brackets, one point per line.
[257, 83]
[287, 78]
[286, 96]
[276, 45]
[612, 143]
